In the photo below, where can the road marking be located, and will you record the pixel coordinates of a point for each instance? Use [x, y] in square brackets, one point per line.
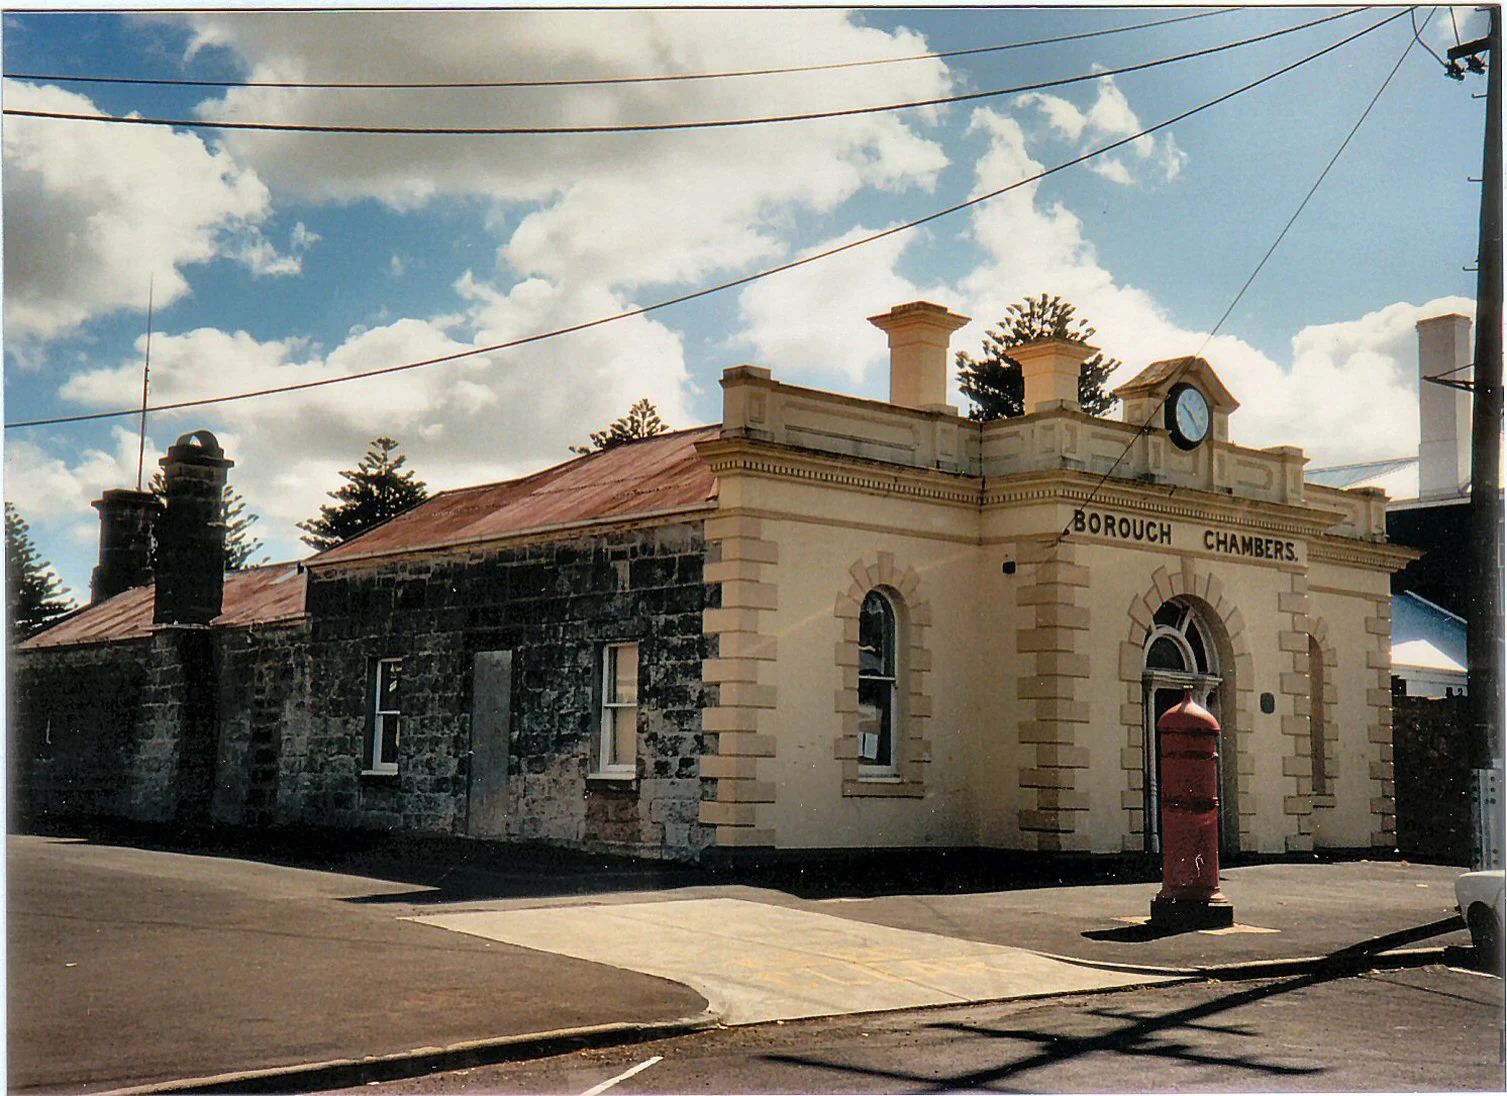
[597, 1090]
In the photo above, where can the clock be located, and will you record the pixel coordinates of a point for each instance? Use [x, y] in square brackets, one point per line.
[1188, 416]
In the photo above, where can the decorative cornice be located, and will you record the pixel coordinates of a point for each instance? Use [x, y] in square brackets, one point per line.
[1360, 553]
[772, 459]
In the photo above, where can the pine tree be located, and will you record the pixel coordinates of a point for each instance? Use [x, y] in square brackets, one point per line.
[375, 491]
[994, 384]
[34, 597]
[641, 421]
[240, 545]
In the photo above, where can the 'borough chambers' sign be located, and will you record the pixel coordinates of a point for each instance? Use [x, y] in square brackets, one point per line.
[1122, 527]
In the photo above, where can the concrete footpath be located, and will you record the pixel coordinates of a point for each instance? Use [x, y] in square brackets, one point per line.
[315, 965]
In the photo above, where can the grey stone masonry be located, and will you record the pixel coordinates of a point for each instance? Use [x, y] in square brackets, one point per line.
[264, 706]
[72, 721]
[172, 770]
[555, 605]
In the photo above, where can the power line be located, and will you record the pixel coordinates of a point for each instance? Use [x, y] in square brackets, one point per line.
[604, 80]
[735, 282]
[1260, 265]
[659, 127]
[1417, 30]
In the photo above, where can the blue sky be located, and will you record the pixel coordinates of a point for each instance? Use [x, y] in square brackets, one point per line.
[277, 258]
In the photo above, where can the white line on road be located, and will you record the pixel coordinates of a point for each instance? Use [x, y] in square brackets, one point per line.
[605, 1085]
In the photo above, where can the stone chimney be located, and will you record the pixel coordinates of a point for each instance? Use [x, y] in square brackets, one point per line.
[125, 542]
[191, 532]
[1444, 346]
[918, 333]
[1049, 368]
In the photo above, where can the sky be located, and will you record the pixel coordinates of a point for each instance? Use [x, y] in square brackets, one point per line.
[278, 257]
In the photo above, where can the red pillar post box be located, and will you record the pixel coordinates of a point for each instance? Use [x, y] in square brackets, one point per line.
[1188, 741]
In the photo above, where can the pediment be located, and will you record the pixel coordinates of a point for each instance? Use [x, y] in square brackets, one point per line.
[1158, 377]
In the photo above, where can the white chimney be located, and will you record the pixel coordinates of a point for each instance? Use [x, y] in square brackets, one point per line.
[1444, 346]
[1049, 369]
[919, 332]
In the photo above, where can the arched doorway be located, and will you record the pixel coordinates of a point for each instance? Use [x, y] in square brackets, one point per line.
[1179, 653]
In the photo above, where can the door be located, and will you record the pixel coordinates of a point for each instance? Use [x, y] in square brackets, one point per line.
[491, 706]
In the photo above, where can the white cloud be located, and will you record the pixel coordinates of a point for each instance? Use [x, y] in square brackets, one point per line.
[1348, 393]
[93, 211]
[469, 421]
[622, 209]
[1109, 118]
[810, 325]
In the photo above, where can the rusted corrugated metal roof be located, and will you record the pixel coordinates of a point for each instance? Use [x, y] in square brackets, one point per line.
[257, 595]
[639, 478]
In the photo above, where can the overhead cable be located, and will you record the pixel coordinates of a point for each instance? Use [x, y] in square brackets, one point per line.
[660, 127]
[745, 279]
[1260, 265]
[601, 81]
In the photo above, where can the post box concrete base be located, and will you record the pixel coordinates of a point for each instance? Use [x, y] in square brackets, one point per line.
[1183, 915]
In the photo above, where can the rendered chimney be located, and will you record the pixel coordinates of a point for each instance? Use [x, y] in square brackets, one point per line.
[1049, 369]
[919, 332]
[125, 542]
[191, 532]
[1444, 346]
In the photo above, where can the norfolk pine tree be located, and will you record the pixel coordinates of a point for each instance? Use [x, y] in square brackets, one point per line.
[34, 597]
[376, 490]
[641, 421]
[994, 384]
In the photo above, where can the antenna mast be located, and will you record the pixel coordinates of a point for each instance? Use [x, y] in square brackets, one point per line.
[146, 372]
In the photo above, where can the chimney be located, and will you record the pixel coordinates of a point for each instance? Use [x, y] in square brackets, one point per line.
[1443, 413]
[918, 353]
[125, 542]
[1049, 369]
[191, 532]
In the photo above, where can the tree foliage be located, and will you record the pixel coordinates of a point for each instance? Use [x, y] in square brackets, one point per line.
[377, 489]
[34, 597]
[641, 421]
[240, 544]
[993, 382]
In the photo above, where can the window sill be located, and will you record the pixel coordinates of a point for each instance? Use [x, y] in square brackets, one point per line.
[613, 777]
[379, 774]
[879, 777]
[883, 787]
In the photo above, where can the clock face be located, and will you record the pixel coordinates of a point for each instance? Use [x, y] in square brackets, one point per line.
[1188, 417]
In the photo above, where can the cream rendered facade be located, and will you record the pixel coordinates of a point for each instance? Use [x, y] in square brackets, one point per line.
[1031, 563]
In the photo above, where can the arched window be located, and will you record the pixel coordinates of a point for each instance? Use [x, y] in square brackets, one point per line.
[1177, 642]
[877, 710]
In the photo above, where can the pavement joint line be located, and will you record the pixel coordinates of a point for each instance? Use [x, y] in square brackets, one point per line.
[345, 1072]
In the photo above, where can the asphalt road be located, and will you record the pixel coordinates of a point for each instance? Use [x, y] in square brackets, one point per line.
[1427, 1029]
[126, 967]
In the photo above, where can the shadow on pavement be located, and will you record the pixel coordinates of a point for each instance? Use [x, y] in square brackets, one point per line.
[1146, 1036]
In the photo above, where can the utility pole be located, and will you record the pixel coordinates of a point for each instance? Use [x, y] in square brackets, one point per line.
[1484, 629]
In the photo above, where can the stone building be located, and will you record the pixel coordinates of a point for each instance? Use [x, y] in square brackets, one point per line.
[826, 622]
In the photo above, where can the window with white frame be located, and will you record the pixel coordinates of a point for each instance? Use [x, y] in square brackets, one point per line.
[382, 741]
[619, 710]
[877, 714]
